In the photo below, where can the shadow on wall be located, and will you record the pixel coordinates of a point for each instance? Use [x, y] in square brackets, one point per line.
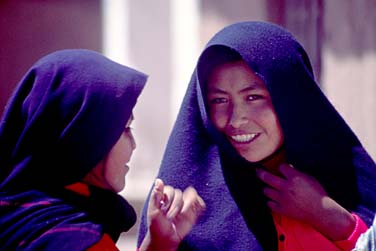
[350, 27]
[32, 29]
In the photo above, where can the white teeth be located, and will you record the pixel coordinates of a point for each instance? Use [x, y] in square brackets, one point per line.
[244, 137]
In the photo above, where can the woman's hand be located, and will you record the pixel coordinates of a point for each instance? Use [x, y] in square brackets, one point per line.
[301, 197]
[171, 215]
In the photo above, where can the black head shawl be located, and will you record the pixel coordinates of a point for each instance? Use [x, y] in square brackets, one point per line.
[317, 140]
[63, 118]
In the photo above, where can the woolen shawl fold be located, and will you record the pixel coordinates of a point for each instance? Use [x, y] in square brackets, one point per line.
[317, 141]
[63, 118]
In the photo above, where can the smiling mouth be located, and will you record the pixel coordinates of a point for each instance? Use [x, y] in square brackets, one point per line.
[244, 138]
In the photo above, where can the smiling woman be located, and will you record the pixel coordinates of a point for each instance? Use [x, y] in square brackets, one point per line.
[240, 107]
[277, 166]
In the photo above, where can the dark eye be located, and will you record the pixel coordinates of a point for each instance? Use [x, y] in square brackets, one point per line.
[218, 100]
[254, 97]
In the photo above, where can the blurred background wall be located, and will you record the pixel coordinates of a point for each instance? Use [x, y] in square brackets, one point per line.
[163, 38]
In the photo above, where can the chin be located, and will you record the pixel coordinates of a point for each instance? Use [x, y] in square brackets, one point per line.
[119, 188]
[251, 158]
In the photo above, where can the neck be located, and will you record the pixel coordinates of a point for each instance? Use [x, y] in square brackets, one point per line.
[273, 162]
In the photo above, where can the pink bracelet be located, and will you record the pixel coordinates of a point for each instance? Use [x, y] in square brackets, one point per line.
[349, 243]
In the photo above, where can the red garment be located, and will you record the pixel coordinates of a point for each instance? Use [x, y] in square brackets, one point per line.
[296, 236]
[105, 243]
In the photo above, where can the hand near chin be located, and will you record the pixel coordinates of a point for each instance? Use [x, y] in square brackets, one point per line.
[171, 215]
[296, 194]
[301, 197]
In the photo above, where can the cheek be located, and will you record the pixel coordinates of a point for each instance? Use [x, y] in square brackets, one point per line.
[117, 158]
[278, 133]
[272, 124]
[114, 173]
[219, 117]
[121, 152]
[112, 167]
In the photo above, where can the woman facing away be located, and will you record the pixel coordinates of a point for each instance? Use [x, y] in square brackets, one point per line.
[65, 140]
[277, 166]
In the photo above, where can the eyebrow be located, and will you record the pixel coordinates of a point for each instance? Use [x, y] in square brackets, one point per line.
[253, 86]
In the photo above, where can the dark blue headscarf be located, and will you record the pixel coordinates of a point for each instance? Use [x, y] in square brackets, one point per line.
[62, 119]
[317, 141]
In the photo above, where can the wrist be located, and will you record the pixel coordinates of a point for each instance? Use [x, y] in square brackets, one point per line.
[334, 215]
[156, 244]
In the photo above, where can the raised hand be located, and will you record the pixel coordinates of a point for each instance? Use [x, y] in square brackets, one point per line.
[296, 194]
[301, 197]
[171, 215]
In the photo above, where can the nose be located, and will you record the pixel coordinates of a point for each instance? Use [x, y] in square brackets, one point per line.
[238, 116]
[133, 141]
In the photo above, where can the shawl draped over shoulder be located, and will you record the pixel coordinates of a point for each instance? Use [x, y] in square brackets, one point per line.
[317, 142]
[64, 116]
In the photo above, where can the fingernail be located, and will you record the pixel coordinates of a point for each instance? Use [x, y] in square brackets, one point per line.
[284, 164]
[157, 181]
[163, 204]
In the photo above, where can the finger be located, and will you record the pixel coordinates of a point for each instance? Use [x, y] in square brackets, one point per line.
[176, 204]
[270, 179]
[194, 205]
[287, 170]
[272, 194]
[274, 206]
[167, 199]
[156, 195]
[191, 196]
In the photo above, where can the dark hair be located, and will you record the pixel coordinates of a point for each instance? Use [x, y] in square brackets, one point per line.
[212, 58]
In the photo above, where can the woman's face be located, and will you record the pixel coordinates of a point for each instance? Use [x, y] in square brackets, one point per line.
[110, 172]
[240, 106]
